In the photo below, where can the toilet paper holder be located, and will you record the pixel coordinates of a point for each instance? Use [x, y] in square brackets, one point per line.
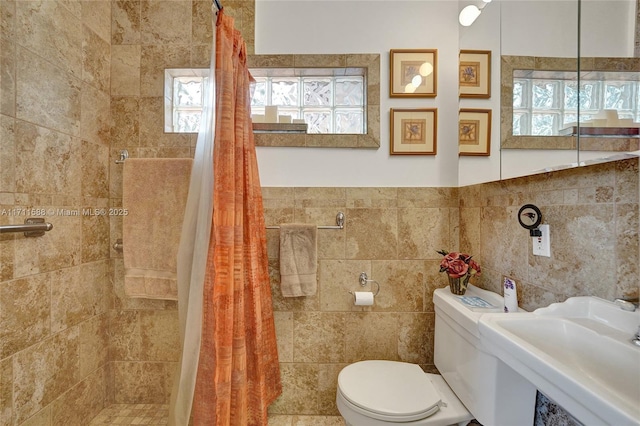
[363, 279]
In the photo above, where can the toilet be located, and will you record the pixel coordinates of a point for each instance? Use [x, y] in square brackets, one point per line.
[472, 384]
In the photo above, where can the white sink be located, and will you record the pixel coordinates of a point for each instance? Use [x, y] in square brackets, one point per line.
[578, 353]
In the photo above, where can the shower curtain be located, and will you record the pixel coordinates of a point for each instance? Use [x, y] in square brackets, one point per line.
[229, 367]
[192, 255]
[238, 372]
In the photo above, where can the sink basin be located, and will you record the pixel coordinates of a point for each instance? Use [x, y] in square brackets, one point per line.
[578, 353]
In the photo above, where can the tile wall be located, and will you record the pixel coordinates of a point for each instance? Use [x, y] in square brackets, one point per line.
[593, 217]
[392, 234]
[54, 150]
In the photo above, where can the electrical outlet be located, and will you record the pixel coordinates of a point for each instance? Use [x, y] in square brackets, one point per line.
[542, 244]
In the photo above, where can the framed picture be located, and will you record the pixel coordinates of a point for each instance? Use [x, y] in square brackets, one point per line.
[413, 73]
[474, 132]
[474, 73]
[413, 131]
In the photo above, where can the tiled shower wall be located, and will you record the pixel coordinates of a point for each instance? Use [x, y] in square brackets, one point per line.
[54, 150]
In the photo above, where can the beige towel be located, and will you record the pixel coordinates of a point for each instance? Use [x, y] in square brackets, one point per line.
[154, 195]
[298, 259]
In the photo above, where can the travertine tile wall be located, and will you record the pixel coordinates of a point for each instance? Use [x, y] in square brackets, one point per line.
[593, 217]
[392, 234]
[54, 149]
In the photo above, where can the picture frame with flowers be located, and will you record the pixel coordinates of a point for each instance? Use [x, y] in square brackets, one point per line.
[474, 74]
[413, 73]
[474, 132]
[413, 131]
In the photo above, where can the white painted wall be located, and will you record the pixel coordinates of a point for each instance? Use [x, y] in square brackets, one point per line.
[607, 27]
[550, 28]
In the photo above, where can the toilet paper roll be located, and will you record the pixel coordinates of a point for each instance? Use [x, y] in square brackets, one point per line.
[363, 298]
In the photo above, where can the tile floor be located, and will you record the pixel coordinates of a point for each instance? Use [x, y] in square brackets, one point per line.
[132, 414]
[156, 414]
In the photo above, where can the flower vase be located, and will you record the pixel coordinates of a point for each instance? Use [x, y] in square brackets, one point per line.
[458, 285]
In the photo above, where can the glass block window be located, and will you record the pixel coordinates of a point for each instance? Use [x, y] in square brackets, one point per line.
[329, 100]
[183, 99]
[546, 106]
[328, 104]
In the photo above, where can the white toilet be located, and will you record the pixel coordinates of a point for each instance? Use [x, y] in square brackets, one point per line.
[473, 384]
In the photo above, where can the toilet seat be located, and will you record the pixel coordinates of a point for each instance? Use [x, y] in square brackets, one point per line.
[389, 390]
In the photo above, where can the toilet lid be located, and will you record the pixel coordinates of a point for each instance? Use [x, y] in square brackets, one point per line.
[389, 390]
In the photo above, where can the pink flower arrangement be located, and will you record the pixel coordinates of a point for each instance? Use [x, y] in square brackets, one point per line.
[459, 265]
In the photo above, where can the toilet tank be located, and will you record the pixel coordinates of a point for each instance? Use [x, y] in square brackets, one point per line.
[491, 390]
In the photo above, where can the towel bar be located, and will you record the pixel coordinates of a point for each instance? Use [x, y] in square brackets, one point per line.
[339, 223]
[32, 227]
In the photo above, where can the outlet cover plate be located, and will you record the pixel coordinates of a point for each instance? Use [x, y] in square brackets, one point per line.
[542, 244]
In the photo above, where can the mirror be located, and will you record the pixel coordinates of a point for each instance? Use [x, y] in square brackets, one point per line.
[365, 64]
[543, 114]
[483, 35]
[612, 49]
[534, 29]
[517, 28]
[605, 29]
[547, 29]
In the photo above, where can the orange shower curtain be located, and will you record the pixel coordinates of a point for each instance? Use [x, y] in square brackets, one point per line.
[238, 373]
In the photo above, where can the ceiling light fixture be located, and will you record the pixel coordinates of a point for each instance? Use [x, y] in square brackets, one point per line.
[470, 13]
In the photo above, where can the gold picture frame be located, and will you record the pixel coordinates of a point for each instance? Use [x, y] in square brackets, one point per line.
[413, 131]
[474, 132]
[413, 73]
[474, 74]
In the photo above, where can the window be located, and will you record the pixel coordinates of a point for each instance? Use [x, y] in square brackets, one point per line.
[546, 107]
[183, 99]
[342, 96]
[327, 103]
[329, 100]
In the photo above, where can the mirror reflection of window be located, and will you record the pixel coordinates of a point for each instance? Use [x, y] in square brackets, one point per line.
[326, 104]
[549, 106]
